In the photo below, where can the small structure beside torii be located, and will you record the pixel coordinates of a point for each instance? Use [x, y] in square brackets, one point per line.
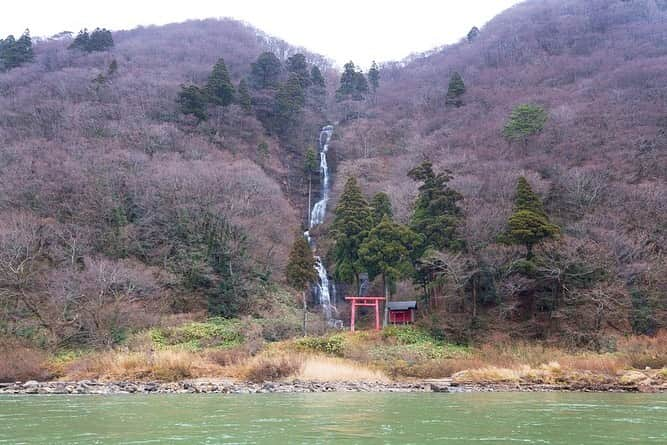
[400, 312]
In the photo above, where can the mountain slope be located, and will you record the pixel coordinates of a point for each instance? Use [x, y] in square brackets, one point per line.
[600, 163]
[107, 190]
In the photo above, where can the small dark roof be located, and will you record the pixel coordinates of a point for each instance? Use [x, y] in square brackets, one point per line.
[401, 305]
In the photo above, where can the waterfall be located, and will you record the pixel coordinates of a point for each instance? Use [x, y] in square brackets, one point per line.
[320, 208]
[325, 288]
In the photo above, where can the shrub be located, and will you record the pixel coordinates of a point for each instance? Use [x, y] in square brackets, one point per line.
[408, 335]
[334, 345]
[642, 351]
[19, 363]
[279, 328]
[216, 332]
[273, 368]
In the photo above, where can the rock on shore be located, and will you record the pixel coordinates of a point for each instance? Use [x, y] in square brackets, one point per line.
[296, 386]
[204, 387]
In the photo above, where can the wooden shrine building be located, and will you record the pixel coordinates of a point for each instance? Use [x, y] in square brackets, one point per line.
[402, 312]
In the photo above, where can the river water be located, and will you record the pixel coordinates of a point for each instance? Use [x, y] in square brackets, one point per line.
[349, 418]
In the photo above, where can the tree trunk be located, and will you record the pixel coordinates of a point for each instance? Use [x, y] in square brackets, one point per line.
[474, 298]
[305, 314]
[385, 321]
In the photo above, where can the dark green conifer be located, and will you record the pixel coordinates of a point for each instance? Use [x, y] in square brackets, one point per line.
[437, 214]
[529, 224]
[456, 90]
[374, 77]
[353, 84]
[245, 101]
[352, 222]
[81, 41]
[265, 72]
[525, 121]
[289, 104]
[100, 40]
[192, 100]
[473, 34]
[381, 207]
[219, 87]
[316, 77]
[113, 68]
[387, 252]
[297, 64]
[14, 53]
[300, 271]
[526, 199]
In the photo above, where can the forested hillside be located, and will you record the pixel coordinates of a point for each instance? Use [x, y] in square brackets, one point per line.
[118, 203]
[165, 170]
[570, 95]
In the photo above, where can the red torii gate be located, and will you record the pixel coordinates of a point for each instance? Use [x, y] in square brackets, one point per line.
[365, 301]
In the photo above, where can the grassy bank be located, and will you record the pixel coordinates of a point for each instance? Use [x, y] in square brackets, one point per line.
[237, 349]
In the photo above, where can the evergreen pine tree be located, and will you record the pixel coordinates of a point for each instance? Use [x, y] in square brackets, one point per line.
[14, 53]
[219, 87]
[352, 222]
[6, 53]
[289, 103]
[265, 72]
[374, 77]
[81, 41]
[381, 207]
[100, 40]
[297, 65]
[437, 214]
[529, 224]
[316, 77]
[526, 198]
[192, 100]
[245, 101]
[300, 271]
[525, 121]
[473, 34]
[24, 48]
[456, 90]
[113, 68]
[347, 81]
[386, 251]
[360, 86]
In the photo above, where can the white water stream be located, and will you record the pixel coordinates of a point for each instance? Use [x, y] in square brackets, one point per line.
[325, 289]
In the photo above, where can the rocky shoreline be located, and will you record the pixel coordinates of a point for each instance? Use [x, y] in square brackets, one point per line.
[234, 387]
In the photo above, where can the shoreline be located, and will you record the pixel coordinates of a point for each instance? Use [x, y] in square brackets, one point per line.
[212, 386]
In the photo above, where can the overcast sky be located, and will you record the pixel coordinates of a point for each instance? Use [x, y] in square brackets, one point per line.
[359, 30]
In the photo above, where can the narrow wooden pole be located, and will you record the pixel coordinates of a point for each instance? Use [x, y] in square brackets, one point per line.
[354, 309]
[377, 315]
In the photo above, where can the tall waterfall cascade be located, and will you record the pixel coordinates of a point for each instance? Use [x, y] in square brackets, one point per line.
[326, 291]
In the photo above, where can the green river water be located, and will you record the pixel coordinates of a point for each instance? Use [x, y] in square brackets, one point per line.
[498, 418]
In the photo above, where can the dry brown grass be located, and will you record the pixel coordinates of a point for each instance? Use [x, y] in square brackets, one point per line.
[332, 369]
[281, 364]
[19, 362]
[270, 367]
[163, 365]
[642, 351]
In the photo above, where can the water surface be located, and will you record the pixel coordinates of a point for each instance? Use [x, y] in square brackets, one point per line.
[567, 419]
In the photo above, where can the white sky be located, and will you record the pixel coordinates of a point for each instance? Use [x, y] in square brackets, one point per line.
[359, 30]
